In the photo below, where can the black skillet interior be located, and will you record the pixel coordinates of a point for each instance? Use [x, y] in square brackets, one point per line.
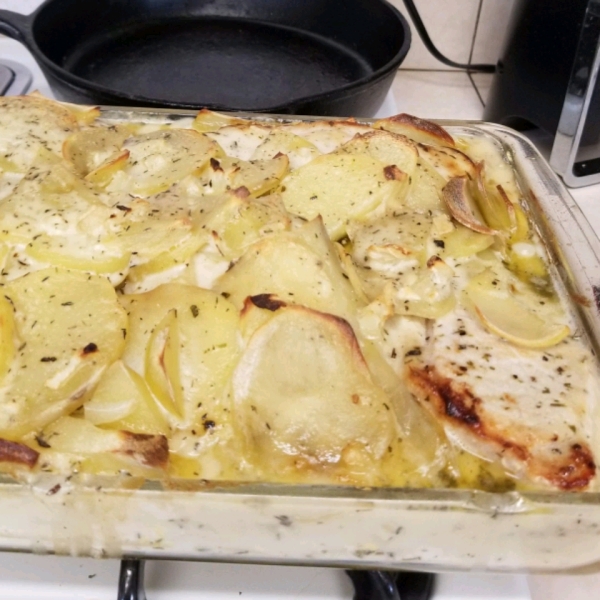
[239, 54]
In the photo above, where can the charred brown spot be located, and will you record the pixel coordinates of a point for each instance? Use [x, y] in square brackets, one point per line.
[89, 349]
[583, 301]
[267, 301]
[215, 164]
[425, 126]
[459, 404]
[578, 471]
[13, 452]
[242, 192]
[392, 172]
[150, 450]
[355, 398]
[434, 260]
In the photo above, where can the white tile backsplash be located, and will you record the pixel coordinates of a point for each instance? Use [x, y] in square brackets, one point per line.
[483, 83]
[491, 30]
[451, 27]
[436, 95]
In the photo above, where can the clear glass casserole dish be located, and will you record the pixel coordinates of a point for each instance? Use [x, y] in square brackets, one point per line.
[417, 529]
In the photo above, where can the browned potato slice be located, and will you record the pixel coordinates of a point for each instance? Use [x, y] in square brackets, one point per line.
[448, 162]
[83, 114]
[312, 399]
[459, 199]
[420, 130]
[497, 210]
[69, 328]
[207, 120]
[98, 450]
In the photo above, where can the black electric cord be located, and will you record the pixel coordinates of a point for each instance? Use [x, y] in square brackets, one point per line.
[420, 27]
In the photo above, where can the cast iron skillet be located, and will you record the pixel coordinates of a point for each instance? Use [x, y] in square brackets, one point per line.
[327, 57]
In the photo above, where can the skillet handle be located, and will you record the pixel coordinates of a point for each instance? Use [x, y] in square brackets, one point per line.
[16, 26]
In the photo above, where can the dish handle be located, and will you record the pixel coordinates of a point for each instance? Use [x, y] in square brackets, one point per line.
[16, 26]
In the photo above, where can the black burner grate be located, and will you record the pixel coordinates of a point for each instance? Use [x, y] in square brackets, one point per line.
[368, 585]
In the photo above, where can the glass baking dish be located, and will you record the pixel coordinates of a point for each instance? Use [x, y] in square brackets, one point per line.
[414, 529]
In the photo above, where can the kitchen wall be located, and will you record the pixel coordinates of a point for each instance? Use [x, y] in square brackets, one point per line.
[462, 30]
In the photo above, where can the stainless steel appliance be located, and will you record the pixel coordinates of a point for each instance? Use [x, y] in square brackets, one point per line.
[547, 76]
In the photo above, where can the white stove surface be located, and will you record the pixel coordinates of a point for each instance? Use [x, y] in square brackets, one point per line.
[25, 577]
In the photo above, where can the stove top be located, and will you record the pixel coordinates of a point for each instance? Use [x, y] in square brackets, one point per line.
[27, 577]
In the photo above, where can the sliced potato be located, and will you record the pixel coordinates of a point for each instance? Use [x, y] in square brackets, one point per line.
[298, 150]
[388, 148]
[207, 120]
[78, 251]
[183, 340]
[460, 202]
[425, 191]
[260, 177]
[300, 267]
[240, 141]
[392, 244]
[88, 148]
[8, 337]
[516, 312]
[426, 292]
[32, 123]
[339, 187]
[70, 435]
[123, 401]
[164, 267]
[159, 159]
[313, 398]
[327, 136]
[70, 328]
[250, 178]
[494, 205]
[419, 130]
[44, 191]
[462, 242]
[448, 162]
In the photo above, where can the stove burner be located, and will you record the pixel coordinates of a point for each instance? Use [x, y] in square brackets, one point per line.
[368, 585]
[15, 79]
[387, 585]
